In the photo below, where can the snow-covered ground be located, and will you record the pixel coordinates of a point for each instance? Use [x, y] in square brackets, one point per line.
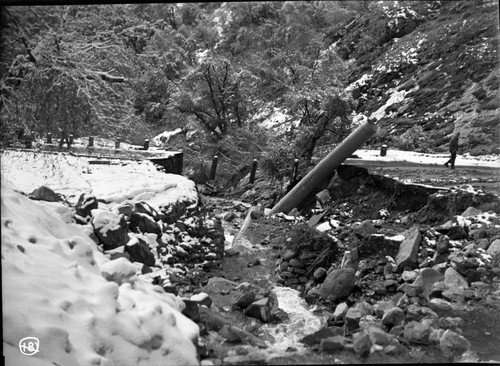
[438, 159]
[64, 302]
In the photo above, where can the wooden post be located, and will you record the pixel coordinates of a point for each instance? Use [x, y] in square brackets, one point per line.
[146, 144]
[49, 138]
[214, 167]
[254, 169]
[295, 171]
[91, 141]
[71, 139]
[117, 143]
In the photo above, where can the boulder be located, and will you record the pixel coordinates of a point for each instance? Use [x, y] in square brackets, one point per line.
[110, 229]
[245, 300]
[86, 203]
[408, 250]
[393, 316]
[427, 278]
[378, 336]
[139, 251]
[471, 211]
[145, 208]
[453, 344]
[338, 284]
[362, 345]
[382, 306]
[316, 337]
[340, 311]
[494, 247]
[260, 309]
[417, 333]
[454, 280]
[45, 194]
[352, 318]
[332, 344]
[411, 290]
[364, 229]
[443, 244]
[143, 223]
[202, 298]
[319, 274]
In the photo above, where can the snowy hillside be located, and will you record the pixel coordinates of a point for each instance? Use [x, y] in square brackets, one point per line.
[83, 308]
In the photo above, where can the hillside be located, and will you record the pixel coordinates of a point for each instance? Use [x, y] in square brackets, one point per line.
[426, 70]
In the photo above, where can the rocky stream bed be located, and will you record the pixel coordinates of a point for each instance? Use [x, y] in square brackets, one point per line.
[369, 269]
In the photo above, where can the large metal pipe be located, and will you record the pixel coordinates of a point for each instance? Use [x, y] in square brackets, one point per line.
[325, 168]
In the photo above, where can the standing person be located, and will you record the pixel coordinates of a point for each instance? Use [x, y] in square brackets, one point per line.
[453, 150]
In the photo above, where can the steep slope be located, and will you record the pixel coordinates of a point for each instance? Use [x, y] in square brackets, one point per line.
[426, 69]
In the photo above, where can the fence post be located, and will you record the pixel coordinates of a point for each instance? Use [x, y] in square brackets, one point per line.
[295, 170]
[254, 169]
[49, 138]
[91, 141]
[117, 143]
[146, 144]
[71, 139]
[214, 167]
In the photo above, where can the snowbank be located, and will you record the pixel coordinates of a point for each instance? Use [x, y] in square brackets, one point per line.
[54, 290]
[116, 182]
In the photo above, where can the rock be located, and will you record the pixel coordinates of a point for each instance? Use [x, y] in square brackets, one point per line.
[45, 194]
[231, 252]
[338, 284]
[316, 337]
[443, 244]
[145, 208]
[140, 252]
[231, 334]
[411, 290]
[212, 320]
[408, 250]
[352, 318]
[453, 344]
[260, 310]
[296, 263]
[483, 243]
[332, 344]
[118, 270]
[111, 229]
[378, 336]
[125, 209]
[393, 316]
[494, 247]
[364, 229]
[229, 216]
[86, 203]
[362, 345]
[245, 300]
[382, 306]
[323, 196]
[142, 223]
[471, 211]
[417, 333]
[453, 279]
[409, 276]
[319, 274]
[340, 311]
[427, 278]
[191, 310]
[202, 298]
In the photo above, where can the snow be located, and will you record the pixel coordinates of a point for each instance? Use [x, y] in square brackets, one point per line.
[394, 155]
[53, 289]
[60, 288]
[113, 183]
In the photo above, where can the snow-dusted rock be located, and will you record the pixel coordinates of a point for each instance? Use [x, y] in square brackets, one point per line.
[111, 229]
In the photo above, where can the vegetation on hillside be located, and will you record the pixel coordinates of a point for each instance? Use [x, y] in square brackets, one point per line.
[134, 70]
